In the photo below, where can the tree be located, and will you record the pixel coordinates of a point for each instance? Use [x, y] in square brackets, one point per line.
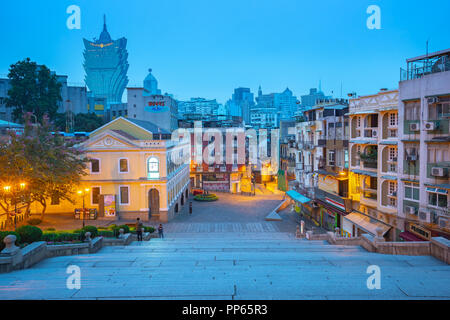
[53, 166]
[84, 122]
[33, 89]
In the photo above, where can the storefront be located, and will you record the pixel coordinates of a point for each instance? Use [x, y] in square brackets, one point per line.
[356, 224]
[216, 182]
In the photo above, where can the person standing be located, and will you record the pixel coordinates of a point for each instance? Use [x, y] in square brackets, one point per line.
[139, 229]
[161, 231]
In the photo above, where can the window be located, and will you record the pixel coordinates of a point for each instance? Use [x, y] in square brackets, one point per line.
[412, 110]
[95, 166]
[124, 199]
[95, 195]
[437, 197]
[393, 119]
[437, 200]
[392, 188]
[331, 158]
[123, 165]
[358, 121]
[412, 191]
[153, 168]
[393, 154]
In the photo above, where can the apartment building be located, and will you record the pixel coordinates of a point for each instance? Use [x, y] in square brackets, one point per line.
[373, 151]
[322, 161]
[424, 146]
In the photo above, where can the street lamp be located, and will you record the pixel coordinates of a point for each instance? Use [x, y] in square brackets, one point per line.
[82, 193]
[9, 189]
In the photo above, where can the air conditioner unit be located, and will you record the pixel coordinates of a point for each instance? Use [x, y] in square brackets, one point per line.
[414, 127]
[410, 210]
[411, 158]
[424, 216]
[444, 222]
[430, 126]
[432, 100]
[438, 172]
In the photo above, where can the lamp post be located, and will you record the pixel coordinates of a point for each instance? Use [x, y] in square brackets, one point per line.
[82, 194]
[13, 191]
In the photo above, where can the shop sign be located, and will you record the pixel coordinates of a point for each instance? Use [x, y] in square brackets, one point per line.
[335, 203]
[419, 231]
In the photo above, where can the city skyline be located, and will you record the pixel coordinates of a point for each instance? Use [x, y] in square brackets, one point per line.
[232, 47]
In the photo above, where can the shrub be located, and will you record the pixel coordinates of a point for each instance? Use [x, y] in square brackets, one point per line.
[3, 234]
[60, 236]
[149, 229]
[106, 233]
[206, 197]
[92, 229]
[126, 229]
[50, 229]
[29, 234]
[34, 221]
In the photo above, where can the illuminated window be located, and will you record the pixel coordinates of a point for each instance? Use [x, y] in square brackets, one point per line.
[153, 168]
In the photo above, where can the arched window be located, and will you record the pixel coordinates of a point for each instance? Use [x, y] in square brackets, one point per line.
[153, 168]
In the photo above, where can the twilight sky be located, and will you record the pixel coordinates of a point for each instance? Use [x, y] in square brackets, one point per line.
[206, 48]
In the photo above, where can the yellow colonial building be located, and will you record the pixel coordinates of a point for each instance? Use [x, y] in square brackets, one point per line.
[135, 170]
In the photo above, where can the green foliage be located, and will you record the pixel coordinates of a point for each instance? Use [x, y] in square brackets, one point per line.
[106, 233]
[34, 221]
[149, 229]
[92, 229]
[84, 122]
[33, 89]
[50, 229]
[60, 236]
[3, 234]
[206, 197]
[49, 165]
[126, 229]
[29, 234]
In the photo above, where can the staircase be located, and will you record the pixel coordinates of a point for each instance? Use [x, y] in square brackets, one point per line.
[230, 266]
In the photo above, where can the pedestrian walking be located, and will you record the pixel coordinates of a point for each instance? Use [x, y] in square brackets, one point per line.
[161, 231]
[139, 229]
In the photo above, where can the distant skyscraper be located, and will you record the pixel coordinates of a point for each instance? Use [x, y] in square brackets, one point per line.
[240, 103]
[286, 104]
[106, 66]
[310, 100]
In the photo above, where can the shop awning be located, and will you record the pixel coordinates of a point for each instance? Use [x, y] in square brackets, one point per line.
[408, 236]
[366, 173]
[366, 223]
[294, 195]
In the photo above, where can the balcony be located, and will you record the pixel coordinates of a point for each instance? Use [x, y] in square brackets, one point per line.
[439, 170]
[371, 133]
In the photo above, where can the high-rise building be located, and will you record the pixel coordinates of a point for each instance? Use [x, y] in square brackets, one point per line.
[106, 66]
[240, 104]
[286, 104]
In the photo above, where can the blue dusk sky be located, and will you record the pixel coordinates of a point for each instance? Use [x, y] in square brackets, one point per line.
[206, 48]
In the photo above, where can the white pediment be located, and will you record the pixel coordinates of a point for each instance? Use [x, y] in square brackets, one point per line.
[109, 140]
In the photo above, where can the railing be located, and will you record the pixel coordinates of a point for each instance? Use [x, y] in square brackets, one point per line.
[419, 72]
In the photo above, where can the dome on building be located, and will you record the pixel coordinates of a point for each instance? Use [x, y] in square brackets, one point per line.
[151, 84]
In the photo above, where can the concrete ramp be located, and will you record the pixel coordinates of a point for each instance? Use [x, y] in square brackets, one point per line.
[273, 216]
